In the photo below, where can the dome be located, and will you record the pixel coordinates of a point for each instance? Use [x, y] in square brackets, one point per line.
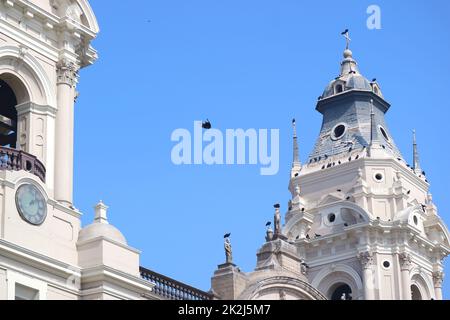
[358, 82]
[96, 230]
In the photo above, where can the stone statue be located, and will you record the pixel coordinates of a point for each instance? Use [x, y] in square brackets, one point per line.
[228, 251]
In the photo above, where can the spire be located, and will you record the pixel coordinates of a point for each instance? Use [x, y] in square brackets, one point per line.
[348, 65]
[416, 160]
[373, 128]
[296, 158]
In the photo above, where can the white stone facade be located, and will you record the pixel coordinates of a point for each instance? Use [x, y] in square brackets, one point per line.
[361, 222]
[43, 44]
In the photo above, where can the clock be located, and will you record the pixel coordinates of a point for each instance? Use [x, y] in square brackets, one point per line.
[31, 204]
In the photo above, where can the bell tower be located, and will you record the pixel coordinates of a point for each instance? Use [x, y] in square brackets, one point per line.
[361, 216]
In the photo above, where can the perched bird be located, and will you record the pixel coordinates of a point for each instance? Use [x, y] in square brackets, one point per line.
[345, 224]
[303, 209]
[409, 192]
[305, 265]
[348, 198]
[296, 175]
[317, 235]
[268, 224]
[344, 32]
[207, 124]
[357, 157]
[227, 235]
[374, 80]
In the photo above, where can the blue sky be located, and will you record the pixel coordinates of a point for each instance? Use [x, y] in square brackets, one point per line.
[242, 64]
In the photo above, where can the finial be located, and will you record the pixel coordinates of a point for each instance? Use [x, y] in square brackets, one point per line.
[416, 161]
[296, 157]
[101, 213]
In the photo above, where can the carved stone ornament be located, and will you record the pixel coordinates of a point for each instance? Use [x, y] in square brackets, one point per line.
[366, 259]
[67, 72]
[405, 261]
[438, 278]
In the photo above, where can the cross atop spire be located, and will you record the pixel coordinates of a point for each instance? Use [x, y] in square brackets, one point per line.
[346, 35]
[416, 160]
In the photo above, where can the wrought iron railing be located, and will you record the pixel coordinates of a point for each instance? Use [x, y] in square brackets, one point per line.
[170, 289]
[15, 160]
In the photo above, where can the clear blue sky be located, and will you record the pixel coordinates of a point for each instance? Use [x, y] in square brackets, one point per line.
[242, 64]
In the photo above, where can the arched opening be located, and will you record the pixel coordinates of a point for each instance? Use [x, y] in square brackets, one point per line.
[8, 116]
[415, 293]
[341, 291]
[339, 88]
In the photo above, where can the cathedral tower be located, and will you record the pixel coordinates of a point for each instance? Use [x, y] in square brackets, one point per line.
[361, 223]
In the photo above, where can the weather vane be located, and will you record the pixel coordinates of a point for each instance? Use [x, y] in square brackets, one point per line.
[346, 35]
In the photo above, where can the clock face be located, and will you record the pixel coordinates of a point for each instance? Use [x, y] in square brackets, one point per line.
[31, 204]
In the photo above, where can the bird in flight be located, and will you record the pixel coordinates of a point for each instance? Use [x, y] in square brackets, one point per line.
[207, 124]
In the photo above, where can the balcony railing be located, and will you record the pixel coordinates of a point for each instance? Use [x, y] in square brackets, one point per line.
[15, 160]
[170, 289]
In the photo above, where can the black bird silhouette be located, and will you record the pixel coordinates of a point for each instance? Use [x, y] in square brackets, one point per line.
[317, 235]
[305, 265]
[348, 198]
[207, 124]
[268, 224]
[303, 209]
[374, 79]
[227, 235]
[296, 175]
[344, 32]
[345, 224]
[409, 192]
[298, 237]
[357, 157]
[339, 190]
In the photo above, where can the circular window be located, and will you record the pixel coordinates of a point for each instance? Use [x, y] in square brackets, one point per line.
[384, 133]
[379, 177]
[339, 131]
[416, 221]
[386, 264]
[331, 217]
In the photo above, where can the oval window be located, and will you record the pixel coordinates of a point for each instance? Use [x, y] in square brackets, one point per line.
[339, 131]
[331, 217]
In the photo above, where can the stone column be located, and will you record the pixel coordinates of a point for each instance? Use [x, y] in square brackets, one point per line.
[438, 278]
[405, 267]
[67, 73]
[366, 259]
